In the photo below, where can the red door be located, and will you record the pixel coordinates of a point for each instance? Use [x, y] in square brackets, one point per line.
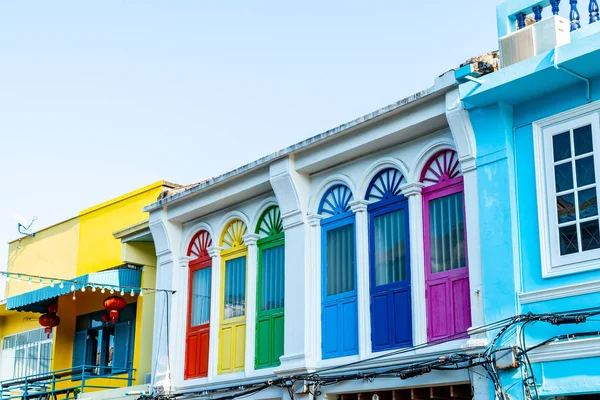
[198, 316]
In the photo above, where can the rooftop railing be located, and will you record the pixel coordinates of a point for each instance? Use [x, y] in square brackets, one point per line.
[63, 383]
[512, 14]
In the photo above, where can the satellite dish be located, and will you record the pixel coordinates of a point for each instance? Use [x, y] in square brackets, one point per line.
[23, 226]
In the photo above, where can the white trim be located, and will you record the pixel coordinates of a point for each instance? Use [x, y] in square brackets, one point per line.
[553, 264]
[566, 350]
[560, 292]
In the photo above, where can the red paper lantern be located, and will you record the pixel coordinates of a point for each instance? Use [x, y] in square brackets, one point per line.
[50, 319]
[114, 304]
[106, 318]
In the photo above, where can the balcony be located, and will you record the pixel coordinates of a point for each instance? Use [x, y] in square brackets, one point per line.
[65, 383]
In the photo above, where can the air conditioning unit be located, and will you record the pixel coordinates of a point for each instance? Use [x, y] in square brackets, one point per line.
[534, 39]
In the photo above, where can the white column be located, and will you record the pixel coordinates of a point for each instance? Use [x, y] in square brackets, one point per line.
[417, 261]
[215, 310]
[313, 323]
[359, 207]
[179, 318]
[250, 241]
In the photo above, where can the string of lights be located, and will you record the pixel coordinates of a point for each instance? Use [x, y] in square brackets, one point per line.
[78, 285]
[486, 359]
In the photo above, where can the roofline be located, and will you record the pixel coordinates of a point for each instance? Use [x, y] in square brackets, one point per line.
[339, 130]
[125, 196]
[43, 229]
[132, 229]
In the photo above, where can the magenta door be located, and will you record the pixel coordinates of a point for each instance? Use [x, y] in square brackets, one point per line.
[445, 242]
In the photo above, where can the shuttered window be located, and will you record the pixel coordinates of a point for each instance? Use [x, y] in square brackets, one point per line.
[390, 248]
[447, 233]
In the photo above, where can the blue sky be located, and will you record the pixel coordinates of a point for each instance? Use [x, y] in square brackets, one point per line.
[100, 98]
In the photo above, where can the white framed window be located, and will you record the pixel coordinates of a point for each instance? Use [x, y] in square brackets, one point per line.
[567, 153]
[26, 353]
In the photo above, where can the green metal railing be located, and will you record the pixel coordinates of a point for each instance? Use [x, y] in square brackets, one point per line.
[50, 385]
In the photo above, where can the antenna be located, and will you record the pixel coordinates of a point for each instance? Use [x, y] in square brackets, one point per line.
[23, 226]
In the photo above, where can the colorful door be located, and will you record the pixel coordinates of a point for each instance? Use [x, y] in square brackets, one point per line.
[270, 289]
[389, 260]
[198, 319]
[446, 266]
[339, 311]
[232, 331]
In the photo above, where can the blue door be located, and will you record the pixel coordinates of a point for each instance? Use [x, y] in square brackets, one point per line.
[339, 307]
[389, 259]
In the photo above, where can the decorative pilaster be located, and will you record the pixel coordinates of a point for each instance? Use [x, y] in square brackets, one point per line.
[417, 261]
[250, 240]
[359, 207]
[215, 313]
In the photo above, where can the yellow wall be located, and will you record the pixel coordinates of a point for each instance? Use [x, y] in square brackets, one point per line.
[98, 249]
[79, 246]
[52, 251]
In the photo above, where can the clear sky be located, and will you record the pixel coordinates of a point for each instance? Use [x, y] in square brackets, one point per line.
[100, 98]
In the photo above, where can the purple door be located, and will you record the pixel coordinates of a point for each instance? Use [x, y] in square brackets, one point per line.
[445, 241]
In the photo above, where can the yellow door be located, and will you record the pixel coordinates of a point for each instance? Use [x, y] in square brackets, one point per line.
[232, 329]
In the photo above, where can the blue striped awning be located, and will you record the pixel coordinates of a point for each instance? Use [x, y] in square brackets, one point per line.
[39, 300]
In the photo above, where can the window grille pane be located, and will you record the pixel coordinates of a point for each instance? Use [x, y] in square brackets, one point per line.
[590, 237]
[585, 171]
[562, 146]
[390, 248]
[272, 294]
[340, 260]
[45, 357]
[235, 287]
[568, 240]
[563, 175]
[588, 203]
[200, 312]
[583, 140]
[447, 233]
[565, 206]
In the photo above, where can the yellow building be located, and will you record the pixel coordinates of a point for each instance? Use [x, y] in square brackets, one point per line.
[106, 250]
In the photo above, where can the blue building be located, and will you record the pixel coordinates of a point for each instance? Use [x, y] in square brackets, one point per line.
[536, 125]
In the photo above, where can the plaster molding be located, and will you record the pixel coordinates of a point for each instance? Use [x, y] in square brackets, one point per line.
[250, 239]
[460, 126]
[560, 292]
[184, 261]
[215, 251]
[412, 189]
[292, 219]
[566, 350]
[359, 206]
[314, 219]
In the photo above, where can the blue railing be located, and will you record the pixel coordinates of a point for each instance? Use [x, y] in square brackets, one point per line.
[513, 13]
[63, 383]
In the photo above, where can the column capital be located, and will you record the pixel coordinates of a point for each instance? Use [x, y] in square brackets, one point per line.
[359, 205]
[184, 261]
[314, 219]
[292, 219]
[250, 239]
[411, 189]
[214, 251]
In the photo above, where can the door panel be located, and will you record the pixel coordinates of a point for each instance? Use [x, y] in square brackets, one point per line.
[349, 323]
[239, 346]
[226, 347]
[277, 324]
[461, 304]
[330, 330]
[389, 274]
[437, 298]
[263, 341]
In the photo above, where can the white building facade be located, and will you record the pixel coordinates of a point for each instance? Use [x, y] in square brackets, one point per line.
[347, 248]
